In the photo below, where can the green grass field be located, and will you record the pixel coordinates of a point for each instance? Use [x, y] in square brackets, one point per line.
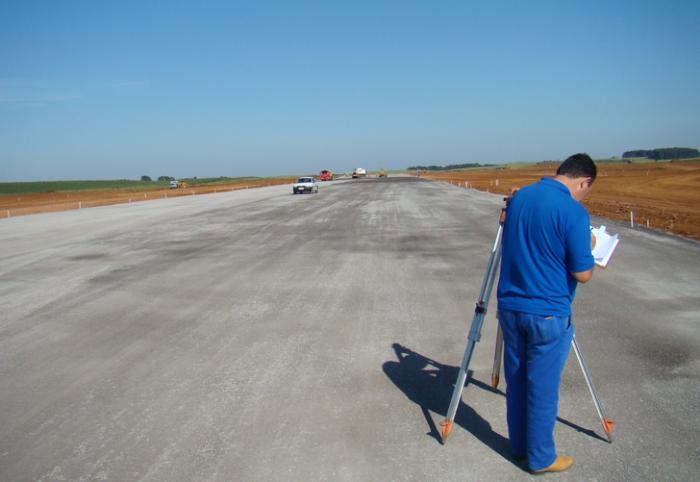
[117, 184]
[200, 181]
[64, 186]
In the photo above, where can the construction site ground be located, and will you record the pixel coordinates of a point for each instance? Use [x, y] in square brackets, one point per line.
[256, 335]
[663, 195]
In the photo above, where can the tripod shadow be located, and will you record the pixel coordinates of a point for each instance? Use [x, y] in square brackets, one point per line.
[578, 428]
[429, 384]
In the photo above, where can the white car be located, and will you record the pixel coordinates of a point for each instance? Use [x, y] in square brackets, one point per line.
[305, 184]
[359, 172]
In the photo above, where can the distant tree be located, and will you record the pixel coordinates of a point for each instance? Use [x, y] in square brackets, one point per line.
[638, 153]
[664, 153]
[166, 178]
[146, 178]
[676, 153]
[449, 167]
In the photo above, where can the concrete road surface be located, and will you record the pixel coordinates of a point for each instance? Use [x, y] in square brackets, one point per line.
[262, 336]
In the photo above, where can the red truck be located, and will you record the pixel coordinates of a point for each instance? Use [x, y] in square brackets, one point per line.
[325, 175]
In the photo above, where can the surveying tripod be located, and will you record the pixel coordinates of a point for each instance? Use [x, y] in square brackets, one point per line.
[475, 336]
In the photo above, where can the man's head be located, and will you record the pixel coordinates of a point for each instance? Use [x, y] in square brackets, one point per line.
[578, 173]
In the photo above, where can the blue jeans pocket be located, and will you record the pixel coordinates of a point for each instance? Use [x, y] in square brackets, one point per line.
[546, 329]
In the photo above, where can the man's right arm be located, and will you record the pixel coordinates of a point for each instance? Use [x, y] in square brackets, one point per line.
[579, 244]
[585, 276]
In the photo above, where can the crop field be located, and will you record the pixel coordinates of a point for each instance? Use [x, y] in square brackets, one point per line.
[61, 186]
[663, 195]
[17, 199]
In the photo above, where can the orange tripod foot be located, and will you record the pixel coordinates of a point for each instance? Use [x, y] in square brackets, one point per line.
[494, 382]
[446, 429]
[608, 426]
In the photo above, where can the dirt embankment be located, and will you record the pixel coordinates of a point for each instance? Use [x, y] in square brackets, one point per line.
[664, 194]
[21, 204]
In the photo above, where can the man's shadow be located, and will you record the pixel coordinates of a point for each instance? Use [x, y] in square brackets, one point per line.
[430, 384]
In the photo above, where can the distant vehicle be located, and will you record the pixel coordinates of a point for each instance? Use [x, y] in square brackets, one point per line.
[359, 172]
[177, 184]
[326, 175]
[382, 173]
[305, 184]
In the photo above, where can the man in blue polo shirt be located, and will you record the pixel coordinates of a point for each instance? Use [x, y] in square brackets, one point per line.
[546, 251]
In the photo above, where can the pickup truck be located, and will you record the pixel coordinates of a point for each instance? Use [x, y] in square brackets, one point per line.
[305, 184]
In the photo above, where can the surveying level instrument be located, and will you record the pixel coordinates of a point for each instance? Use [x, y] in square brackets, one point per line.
[475, 336]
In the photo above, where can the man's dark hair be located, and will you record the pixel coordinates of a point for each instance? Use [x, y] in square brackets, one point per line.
[578, 165]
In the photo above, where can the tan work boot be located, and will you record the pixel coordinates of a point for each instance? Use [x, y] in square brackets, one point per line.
[561, 463]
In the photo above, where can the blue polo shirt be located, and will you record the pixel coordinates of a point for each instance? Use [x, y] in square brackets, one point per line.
[545, 238]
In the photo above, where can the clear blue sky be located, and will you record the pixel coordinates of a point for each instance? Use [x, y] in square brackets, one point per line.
[99, 90]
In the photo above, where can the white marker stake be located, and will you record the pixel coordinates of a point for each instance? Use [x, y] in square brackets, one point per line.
[647, 224]
[632, 219]
[80, 205]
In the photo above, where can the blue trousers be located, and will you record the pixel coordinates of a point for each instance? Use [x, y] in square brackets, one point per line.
[535, 351]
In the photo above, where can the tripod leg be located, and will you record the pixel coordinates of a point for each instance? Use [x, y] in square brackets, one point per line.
[608, 425]
[474, 334]
[497, 357]
[459, 388]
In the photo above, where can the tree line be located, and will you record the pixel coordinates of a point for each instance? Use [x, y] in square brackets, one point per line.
[664, 153]
[160, 178]
[449, 167]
